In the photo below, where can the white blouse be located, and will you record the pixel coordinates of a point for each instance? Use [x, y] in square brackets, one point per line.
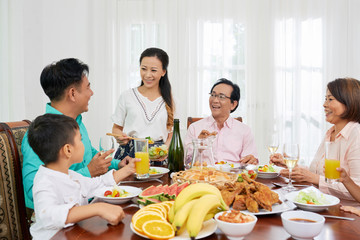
[141, 117]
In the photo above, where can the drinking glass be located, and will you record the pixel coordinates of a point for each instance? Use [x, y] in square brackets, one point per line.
[106, 143]
[332, 161]
[291, 156]
[142, 152]
[273, 143]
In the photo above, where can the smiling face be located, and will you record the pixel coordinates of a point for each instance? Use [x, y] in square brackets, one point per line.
[151, 70]
[333, 109]
[83, 95]
[221, 108]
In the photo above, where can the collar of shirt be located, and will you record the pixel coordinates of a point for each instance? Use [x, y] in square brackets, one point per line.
[345, 132]
[228, 123]
[52, 173]
[50, 109]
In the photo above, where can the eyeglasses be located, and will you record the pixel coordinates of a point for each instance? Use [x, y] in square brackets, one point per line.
[221, 97]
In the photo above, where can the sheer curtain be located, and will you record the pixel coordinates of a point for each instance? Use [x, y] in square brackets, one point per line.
[11, 61]
[281, 53]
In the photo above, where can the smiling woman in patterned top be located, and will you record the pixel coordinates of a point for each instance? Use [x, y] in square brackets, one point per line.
[147, 110]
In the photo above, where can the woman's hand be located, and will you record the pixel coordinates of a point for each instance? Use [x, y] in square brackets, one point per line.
[344, 177]
[300, 174]
[278, 160]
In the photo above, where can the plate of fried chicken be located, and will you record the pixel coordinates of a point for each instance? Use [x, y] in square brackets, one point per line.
[255, 197]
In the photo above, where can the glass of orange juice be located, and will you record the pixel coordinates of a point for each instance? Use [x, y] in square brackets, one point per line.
[332, 161]
[141, 152]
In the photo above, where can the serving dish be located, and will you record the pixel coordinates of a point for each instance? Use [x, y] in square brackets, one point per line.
[133, 191]
[331, 200]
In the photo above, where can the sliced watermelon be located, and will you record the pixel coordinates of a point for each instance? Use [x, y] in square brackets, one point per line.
[151, 192]
[172, 191]
[142, 201]
[152, 200]
[181, 187]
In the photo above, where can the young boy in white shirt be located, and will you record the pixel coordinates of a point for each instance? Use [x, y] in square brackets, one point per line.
[61, 195]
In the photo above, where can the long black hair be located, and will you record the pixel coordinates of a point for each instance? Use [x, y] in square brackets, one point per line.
[164, 84]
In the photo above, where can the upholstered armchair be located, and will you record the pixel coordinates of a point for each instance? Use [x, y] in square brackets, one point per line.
[14, 220]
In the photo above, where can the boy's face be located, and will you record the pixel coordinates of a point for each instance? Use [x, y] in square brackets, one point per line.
[78, 147]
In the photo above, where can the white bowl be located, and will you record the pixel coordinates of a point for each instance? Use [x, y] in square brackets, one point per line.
[134, 192]
[302, 230]
[331, 200]
[235, 230]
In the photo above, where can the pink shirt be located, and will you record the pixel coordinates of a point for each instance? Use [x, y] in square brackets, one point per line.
[349, 141]
[233, 142]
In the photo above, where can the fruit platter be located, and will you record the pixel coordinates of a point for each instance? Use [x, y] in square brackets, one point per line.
[189, 216]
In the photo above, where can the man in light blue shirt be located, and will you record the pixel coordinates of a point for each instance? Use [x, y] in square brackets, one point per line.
[68, 88]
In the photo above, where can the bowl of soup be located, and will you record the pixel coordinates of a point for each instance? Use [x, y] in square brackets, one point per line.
[302, 224]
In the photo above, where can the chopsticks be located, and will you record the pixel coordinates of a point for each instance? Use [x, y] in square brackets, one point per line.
[118, 135]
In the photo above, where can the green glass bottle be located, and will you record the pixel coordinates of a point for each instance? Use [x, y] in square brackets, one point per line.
[176, 150]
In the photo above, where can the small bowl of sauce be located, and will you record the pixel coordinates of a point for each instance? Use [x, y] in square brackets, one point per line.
[295, 222]
[302, 220]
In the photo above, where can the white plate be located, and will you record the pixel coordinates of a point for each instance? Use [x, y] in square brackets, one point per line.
[276, 208]
[310, 207]
[268, 175]
[134, 192]
[162, 171]
[209, 227]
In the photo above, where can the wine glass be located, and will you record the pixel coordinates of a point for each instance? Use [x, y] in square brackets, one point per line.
[291, 157]
[106, 143]
[273, 143]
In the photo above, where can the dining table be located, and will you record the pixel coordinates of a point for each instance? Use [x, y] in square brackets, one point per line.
[268, 226]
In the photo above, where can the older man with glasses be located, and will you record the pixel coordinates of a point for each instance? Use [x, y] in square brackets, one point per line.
[234, 142]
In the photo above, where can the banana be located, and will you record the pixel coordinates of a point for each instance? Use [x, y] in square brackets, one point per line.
[171, 214]
[211, 214]
[196, 217]
[182, 215]
[195, 191]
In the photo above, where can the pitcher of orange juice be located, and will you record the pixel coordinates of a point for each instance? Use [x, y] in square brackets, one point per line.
[332, 161]
[142, 152]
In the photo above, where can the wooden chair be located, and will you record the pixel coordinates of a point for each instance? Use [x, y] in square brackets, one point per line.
[14, 220]
[190, 120]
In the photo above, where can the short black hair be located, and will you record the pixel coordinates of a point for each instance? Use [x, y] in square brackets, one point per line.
[235, 94]
[48, 133]
[57, 77]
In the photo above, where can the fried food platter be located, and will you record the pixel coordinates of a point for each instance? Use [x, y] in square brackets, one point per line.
[205, 175]
[254, 197]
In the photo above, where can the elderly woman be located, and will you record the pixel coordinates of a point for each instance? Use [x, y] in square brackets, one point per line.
[342, 109]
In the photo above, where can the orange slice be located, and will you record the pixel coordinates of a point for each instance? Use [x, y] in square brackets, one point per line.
[139, 222]
[157, 229]
[138, 214]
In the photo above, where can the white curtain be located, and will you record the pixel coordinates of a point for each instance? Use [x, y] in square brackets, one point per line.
[281, 53]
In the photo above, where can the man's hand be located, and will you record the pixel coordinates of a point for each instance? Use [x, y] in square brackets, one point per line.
[100, 163]
[249, 159]
[111, 213]
[278, 160]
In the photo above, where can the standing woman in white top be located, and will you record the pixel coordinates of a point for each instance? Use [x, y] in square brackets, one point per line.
[148, 110]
